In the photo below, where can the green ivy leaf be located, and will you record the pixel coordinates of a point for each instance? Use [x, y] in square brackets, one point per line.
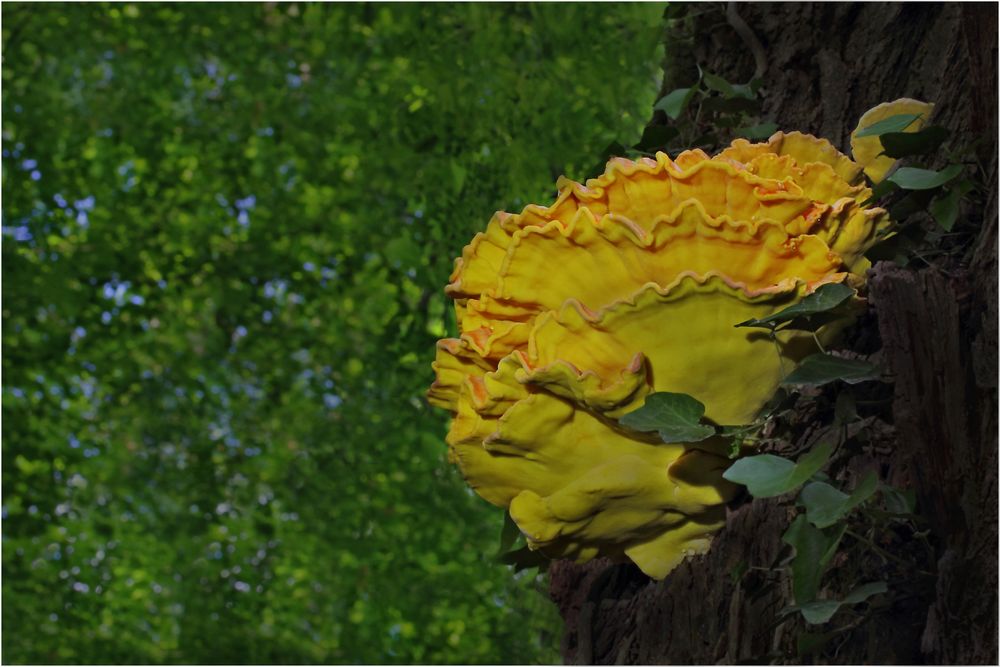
[865, 489]
[822, 611]
[897, 247]
[675, 416]
[766, 475]
[656, 136]
[611, 150]
[905, 144]
[898, 501]
[674, 102]
[911, 178]
[896, 123]
[824, 299]
[865, 591]
[879, 190]
[945, 209]
[718, 84]
[811, 642]
[819, 611]
[745, 90]
[509, 534]
[845, 410]
[814, 547]
[826, 505]
[731, 105]
[915, 201]
[819, 368]
[738, 571]
[761, 131]
[523, 558]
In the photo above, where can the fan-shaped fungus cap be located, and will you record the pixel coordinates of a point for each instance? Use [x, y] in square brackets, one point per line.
[571, 314]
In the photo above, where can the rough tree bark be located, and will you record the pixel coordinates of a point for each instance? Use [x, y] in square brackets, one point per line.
[933, 327]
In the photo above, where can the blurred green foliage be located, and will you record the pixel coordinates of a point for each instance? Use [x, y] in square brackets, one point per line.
[226, 228]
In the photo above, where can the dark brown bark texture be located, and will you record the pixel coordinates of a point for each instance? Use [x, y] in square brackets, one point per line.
[932, 326]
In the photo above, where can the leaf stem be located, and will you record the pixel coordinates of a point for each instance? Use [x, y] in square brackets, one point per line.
[818, 344]
[777, 349]
[885, 554]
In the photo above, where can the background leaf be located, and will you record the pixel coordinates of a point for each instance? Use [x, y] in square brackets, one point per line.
[226, 230]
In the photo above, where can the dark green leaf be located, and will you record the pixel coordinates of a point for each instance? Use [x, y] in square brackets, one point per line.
[675, 416]
[865, 489]
[726, 121]
[898, 501]
[821, 368]
[811, 642]
[963, 186]
[915, 201]
[911, 178]
[945, 209]
[523, 558]
[821, 611]
[767, 475]
[826, 505]
[826, 298]
[814, 547]
[761, 131]
[738, 571]
[656, 136]
[896, 123]
[897, 247]
[611, 150]
[729, 105]
[865, 591]
[745, 90]
[764, 475]
[707, 139]
[845, 410]
[880, 189]
[718, 84]
[674, 102]
[905, 144]
[509, 534]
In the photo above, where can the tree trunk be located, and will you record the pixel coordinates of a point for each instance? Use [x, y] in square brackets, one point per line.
[934, 329]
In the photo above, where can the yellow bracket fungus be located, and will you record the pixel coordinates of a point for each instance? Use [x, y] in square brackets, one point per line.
[570, 315]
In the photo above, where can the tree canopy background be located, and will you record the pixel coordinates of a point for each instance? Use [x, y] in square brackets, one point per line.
[226, 228]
